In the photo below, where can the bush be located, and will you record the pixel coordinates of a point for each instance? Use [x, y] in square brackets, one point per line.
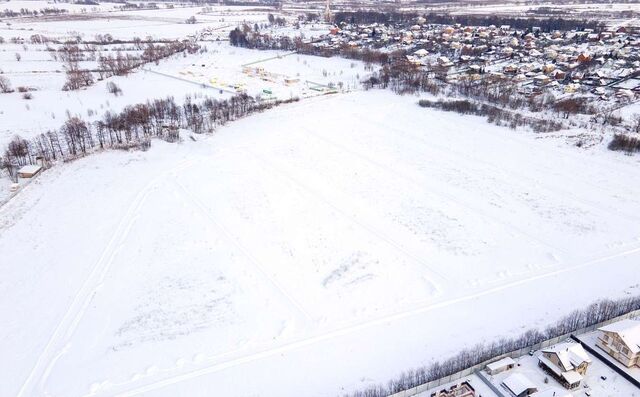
[27, 95]
[624, 142]
[113, 88]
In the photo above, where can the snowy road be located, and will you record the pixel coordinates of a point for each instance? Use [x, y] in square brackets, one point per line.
[309, 250]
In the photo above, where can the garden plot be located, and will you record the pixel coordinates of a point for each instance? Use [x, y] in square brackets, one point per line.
[269, 74]
[310, 250]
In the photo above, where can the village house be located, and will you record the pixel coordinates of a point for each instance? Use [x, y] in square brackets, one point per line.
[566, 362]
[621, 341]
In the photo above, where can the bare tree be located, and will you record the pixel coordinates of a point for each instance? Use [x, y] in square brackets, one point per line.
[5, 85]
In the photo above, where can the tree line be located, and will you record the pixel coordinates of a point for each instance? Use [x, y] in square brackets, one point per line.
[247, 38]
[545, 24]
[393, 17]
[131, 128]
[109, 65]
[595, 313]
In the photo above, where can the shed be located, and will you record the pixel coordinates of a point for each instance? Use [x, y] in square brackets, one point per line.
[29, 171]
[501, 365]
[519, 385]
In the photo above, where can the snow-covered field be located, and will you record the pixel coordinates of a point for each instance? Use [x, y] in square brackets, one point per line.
[309, 250]
[163, 23]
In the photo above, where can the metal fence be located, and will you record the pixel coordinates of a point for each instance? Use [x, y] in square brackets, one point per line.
[514, 354]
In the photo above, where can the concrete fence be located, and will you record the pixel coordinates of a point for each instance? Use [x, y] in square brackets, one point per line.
[514, 354]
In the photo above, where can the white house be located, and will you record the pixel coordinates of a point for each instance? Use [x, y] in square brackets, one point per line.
[621, 341]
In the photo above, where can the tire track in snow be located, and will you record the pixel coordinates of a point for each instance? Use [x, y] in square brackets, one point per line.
[438, 192]
[435, 275]
[236, 242]
[553, 190]
[60, 340]
[292, 346]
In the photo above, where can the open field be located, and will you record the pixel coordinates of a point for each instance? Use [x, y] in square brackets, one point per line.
[309, 250]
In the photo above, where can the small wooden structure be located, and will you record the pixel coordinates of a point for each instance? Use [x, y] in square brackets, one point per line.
[29, 171]
[501, 365]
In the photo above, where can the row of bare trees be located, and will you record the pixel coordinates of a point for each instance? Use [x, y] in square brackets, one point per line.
[597, 312]
[118, 65]
[133, 127]
[494, 114]
[245, 37]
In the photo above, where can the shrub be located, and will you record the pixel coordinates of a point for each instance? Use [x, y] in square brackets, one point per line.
[625, 142]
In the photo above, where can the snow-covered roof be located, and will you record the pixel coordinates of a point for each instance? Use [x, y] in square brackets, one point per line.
[571, 355]
[501, 363]
[30, 169]
[628, 330]
[552, 392]
[572, 377]
[518, 383]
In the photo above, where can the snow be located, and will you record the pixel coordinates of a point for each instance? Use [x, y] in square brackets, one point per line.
[309, 250]
[518, 383]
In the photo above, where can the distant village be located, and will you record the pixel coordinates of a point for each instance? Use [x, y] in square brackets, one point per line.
[603, 63]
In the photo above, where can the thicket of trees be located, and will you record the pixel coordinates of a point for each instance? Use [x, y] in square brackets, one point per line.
[494, 114]
[545, 24]
[133, 127]
[597, 312]
[248, 38]
[392, 17]
[624, 142]
[109, 65]
[25, 12]
[366, 17]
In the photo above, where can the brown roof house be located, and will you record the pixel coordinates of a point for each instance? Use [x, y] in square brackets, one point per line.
[566, 362]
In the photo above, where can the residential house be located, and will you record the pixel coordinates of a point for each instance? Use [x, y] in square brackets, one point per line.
[566, 362]
[621, 341]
